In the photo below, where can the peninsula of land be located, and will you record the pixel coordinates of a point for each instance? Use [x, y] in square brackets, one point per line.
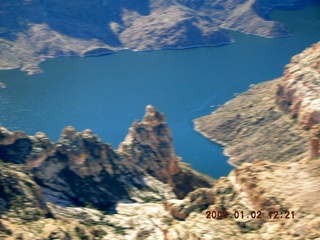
[271, 119]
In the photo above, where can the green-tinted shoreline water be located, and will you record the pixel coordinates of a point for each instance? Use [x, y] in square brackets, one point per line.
[106, 94]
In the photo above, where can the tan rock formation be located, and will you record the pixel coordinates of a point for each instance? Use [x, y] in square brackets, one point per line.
[150, 144]
[42, 148]
[72, 144]
[252, 126]
[188, 180]
[300, 87]
[20, 196]
[314, 141]
[56, 186]
[6, 137]
[290, 189]
[194, 201]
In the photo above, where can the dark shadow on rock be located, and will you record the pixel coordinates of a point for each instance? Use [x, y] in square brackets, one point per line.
[264, 7]
[83, 185]
[193, 4]
[20, 196]
[16, 152]
[86, 20]
[114, 8]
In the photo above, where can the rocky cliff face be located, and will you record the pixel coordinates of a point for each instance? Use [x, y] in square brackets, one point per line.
[34, 30]
[252, 188]
[314, 148]
[151, 146]
[298, 92]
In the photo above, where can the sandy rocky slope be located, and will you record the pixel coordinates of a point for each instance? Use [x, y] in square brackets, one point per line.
[33, 30]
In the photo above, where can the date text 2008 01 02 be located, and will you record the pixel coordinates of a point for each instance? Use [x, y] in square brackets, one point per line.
[252, 214]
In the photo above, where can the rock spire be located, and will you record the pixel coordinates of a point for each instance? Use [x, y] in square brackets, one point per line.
[150, 144]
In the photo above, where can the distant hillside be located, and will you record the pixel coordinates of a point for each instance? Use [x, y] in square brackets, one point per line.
[32, 30]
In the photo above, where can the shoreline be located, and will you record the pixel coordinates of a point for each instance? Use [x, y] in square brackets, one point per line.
[35, 69]
[223, 145]
[32, 67]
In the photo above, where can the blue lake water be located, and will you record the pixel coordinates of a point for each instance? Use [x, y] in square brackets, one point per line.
[106, 94]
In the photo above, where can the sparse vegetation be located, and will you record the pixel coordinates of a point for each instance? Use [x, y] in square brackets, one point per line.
[142, 234]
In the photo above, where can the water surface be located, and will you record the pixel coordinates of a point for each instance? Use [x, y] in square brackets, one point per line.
[106, 94]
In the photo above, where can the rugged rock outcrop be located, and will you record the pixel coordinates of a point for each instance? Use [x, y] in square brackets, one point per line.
[260, 188]
[15, 147]
[86, 171]
[188, 180]
[314, 141]
[150, 144]
[34, 30]
[298, 92]
[246, 17]
[20, 196]
[65, 189]
[80, 169]
[197, 200]
[246, 195]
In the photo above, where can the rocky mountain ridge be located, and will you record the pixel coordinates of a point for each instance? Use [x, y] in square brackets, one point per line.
[41, 180]
[77, 168]
[33, 30]
[252, 190]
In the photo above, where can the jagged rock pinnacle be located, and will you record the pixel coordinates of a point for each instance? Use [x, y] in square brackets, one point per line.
[151, 144]
[153, 116]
